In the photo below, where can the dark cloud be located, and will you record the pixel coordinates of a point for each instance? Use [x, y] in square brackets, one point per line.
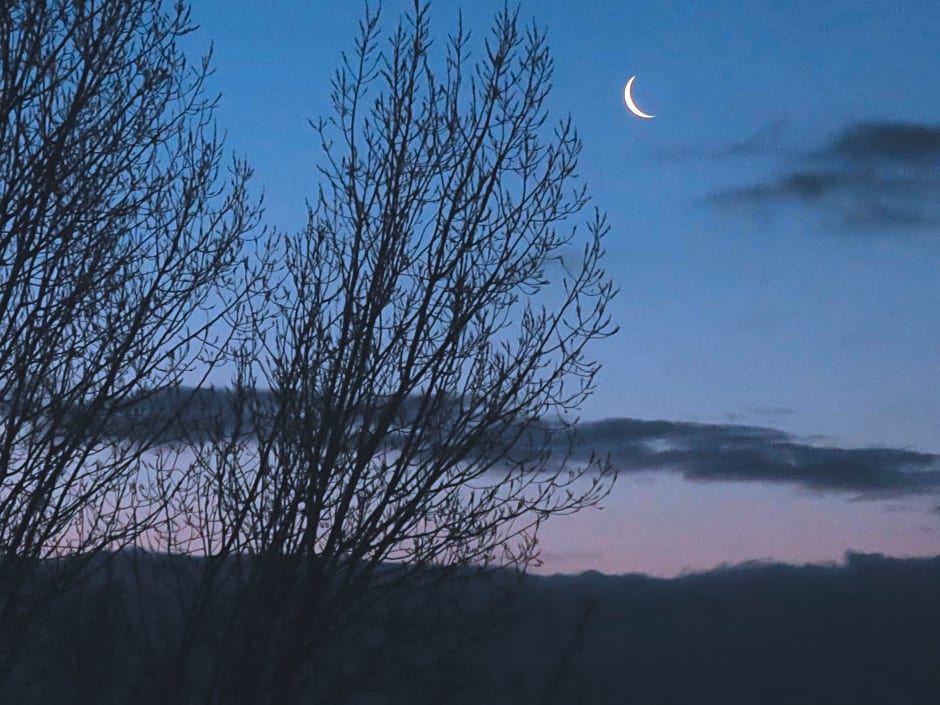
[868, 175]
[732, 452]
[885, 142]
[716, 452]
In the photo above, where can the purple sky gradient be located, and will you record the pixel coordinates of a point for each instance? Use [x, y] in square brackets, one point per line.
[663, 525]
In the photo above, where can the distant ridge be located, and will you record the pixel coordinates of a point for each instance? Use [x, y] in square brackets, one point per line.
[866, 631]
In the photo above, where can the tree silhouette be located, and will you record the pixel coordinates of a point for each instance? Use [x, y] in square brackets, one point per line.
[121, 245]
[424, 346]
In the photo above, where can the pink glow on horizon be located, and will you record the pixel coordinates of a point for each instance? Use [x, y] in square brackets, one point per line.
[662, 525]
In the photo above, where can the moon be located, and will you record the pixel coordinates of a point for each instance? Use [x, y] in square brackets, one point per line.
[631, 105]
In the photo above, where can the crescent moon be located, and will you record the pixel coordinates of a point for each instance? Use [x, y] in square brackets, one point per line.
[631, 105]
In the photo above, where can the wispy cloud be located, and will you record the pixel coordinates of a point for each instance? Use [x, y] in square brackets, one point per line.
[773, 411]
[766, 141]
[867, 175]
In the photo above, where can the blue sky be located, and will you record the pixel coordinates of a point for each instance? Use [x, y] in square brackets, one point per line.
[775, 229]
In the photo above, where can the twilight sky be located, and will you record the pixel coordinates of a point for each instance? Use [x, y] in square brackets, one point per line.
[776, 238]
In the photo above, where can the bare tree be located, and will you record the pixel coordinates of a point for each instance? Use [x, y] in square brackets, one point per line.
[121, 246]
[427, 349]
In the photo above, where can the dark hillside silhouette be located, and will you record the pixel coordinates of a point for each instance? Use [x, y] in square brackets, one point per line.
[867, 631]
